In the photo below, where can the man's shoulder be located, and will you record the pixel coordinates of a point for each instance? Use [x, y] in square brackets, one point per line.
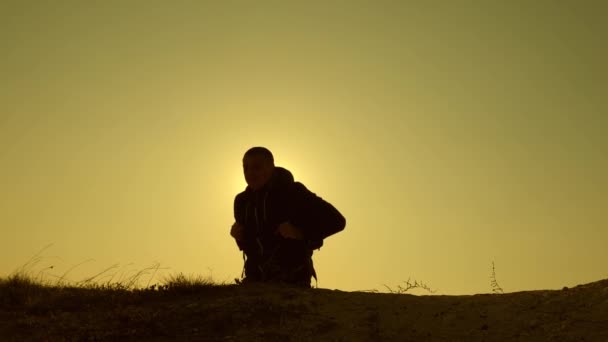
[298, 188]
[240, 196]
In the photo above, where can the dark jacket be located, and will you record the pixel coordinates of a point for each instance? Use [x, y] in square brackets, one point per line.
[270, 256]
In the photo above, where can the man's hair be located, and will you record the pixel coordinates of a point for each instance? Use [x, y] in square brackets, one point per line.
[260, 151]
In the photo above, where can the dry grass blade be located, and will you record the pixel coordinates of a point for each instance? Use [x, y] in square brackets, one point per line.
[91, 279]
[494, 283]
[26, 268]
[61, 279]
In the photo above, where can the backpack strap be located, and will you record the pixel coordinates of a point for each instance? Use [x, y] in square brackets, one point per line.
[314, 274]
[244, 261]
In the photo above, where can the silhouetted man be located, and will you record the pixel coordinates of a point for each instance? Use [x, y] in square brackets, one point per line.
[279, 222]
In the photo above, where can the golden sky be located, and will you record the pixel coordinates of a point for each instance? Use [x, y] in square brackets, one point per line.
[450, 134]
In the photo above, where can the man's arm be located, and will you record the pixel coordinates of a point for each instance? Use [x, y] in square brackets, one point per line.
[239, 217]
[316, 217]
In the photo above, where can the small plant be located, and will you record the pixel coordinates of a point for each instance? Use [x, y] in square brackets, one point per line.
[494, 283]
[409, 285]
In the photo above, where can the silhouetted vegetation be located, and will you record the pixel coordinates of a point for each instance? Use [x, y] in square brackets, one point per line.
[107, 306]
[493, 282]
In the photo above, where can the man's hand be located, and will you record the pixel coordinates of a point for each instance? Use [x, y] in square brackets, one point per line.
[238, 231]
[289, 231]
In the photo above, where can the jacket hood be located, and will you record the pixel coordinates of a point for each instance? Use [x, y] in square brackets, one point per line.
[280, 177]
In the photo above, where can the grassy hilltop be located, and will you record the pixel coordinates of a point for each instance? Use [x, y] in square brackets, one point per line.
[195, 309]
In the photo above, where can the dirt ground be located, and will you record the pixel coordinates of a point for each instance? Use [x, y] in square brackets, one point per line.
[272, 313]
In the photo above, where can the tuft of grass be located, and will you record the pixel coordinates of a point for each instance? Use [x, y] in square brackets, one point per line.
[134, 281]
[33, 287]
[26, 271]
[182, 283]
[24, 293]
[19, 289]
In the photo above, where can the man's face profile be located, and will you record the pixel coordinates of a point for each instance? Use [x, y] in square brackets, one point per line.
[258, 170]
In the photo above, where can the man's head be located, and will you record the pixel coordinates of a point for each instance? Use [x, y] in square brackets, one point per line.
[258, 166]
